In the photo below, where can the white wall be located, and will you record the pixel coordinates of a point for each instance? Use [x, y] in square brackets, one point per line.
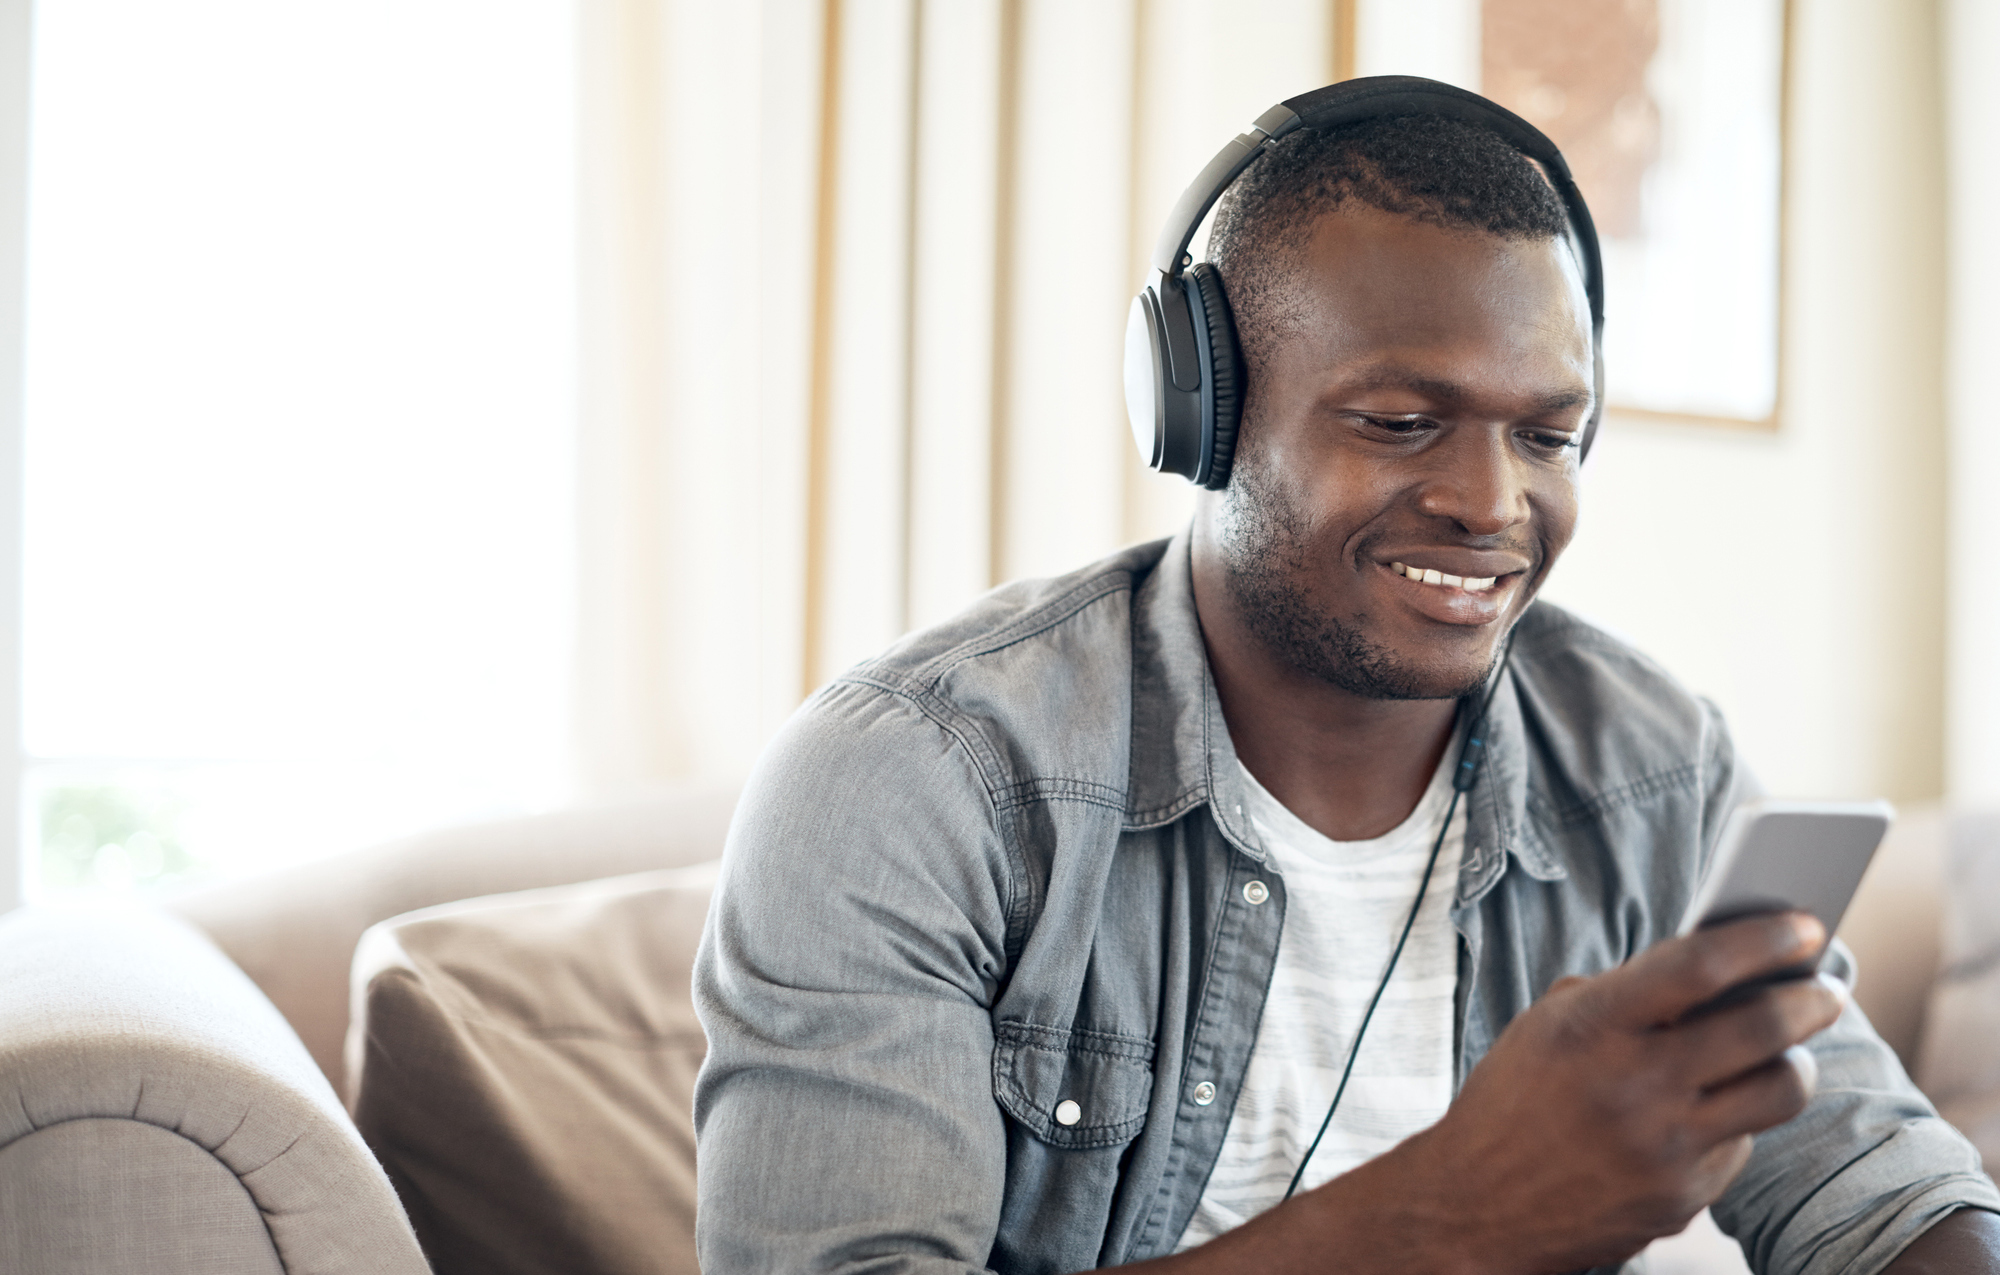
[1799, 577]
[1971, 39]
[1437, 39]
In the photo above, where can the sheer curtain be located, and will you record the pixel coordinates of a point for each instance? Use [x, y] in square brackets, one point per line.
[1971, 43]
[854, 285]
[298, 404]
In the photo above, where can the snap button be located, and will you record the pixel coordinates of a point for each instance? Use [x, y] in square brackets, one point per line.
[1256, 891]
[1204, 1093]
[1067, 1112]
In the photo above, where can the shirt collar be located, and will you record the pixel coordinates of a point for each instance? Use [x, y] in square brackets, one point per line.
[1181, 754]
[1497, 811]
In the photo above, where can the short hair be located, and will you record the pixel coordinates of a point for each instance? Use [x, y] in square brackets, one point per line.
[1430, 168]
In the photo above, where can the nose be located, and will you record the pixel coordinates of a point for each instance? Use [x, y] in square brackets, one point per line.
[1479, 483]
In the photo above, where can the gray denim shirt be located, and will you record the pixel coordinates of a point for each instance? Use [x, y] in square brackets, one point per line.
[1003, 866]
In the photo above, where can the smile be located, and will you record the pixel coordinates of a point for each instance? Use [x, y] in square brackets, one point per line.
[1425, 575]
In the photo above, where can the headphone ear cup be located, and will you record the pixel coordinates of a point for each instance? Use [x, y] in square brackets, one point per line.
[1225, 382]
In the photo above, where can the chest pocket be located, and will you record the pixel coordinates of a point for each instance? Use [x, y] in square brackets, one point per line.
[1073, 1088]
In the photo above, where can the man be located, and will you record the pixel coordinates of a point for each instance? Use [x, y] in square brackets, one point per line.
[1045, 939]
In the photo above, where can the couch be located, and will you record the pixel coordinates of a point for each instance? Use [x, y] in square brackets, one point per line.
[502, 1011]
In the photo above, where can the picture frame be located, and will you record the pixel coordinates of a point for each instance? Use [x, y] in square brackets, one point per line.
[1671, 113]
[1672, 116]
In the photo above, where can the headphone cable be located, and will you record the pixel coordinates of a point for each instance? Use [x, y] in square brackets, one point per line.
[1469, 758]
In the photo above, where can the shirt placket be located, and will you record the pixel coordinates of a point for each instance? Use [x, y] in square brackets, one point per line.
[1242, 956]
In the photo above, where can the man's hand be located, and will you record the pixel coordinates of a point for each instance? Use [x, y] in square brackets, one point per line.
[1604, 1117]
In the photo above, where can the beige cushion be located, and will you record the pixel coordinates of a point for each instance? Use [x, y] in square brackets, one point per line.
[293, 931]
[524, 1067]
[1960, 1061]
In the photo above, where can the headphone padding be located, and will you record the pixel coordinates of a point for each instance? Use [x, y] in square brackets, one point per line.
[1226, 372]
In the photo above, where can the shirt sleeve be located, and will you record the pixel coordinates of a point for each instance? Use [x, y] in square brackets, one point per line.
[1846, 1185]
[1864, 1170]
[845, 1117]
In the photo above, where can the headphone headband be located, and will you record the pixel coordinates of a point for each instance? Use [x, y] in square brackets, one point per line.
[1186, 325]
[1381, 97]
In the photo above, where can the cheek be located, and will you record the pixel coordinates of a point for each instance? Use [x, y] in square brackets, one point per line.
[1302, 511]
[1325, 495]
[1559, 510]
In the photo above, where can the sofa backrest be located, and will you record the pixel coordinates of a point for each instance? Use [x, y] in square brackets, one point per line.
[1893, 927]
[294, 931]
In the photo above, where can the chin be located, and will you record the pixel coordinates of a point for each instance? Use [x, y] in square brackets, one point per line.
[1320, 646]
[1390, 679]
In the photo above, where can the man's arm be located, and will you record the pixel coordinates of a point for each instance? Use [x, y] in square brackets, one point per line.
[1601, 1120]
[1852, 1180]
[1963, 1243]
[845, 1114]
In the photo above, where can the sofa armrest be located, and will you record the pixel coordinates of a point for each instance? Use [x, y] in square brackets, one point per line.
[157, 1114]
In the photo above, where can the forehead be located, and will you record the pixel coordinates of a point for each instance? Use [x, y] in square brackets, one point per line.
[1373, 288]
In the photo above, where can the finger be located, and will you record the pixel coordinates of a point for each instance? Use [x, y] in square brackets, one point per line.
[1714, 1169]
[1760, 1098]
[1672, 977]
[1728, 1042]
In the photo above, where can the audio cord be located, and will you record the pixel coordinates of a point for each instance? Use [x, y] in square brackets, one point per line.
[1467, 770]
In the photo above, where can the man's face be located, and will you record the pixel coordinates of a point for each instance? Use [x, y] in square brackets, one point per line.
[1420, 413]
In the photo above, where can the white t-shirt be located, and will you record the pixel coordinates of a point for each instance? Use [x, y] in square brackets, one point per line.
[1346, 902]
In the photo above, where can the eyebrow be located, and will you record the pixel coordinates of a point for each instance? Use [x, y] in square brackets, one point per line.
[1397, 378]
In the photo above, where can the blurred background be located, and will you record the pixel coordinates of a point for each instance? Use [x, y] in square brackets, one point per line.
[438, 410]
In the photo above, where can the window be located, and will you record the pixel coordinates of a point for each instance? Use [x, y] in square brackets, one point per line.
[299, 416]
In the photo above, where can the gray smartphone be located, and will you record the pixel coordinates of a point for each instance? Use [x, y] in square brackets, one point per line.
[1777, 856]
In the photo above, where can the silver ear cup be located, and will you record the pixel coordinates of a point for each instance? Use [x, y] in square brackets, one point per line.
[1164, 378]
[1145, 378]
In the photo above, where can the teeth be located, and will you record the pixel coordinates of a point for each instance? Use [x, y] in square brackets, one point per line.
[1471, 584]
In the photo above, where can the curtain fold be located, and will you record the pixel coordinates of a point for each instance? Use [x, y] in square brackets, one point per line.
[855, 275]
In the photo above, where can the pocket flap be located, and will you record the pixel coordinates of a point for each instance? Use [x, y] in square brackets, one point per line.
[1037, 1071]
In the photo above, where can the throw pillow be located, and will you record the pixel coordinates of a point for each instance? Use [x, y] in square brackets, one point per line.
[524, 1067]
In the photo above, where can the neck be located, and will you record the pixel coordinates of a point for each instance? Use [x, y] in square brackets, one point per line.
[1349, 766]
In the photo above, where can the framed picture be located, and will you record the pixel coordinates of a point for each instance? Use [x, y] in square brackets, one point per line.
[1671, 114]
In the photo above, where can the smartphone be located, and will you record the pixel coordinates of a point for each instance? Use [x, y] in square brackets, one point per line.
[1782, 856]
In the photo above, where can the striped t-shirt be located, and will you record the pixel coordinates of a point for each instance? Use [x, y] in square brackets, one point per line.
[1346, 902]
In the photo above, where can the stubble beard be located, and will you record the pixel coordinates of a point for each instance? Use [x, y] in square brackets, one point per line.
[1266, 555]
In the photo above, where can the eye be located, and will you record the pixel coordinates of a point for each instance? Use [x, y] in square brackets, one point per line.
[1399, 426]
[1551, 441]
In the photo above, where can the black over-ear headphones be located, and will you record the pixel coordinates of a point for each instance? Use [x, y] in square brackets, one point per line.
[1184, 375]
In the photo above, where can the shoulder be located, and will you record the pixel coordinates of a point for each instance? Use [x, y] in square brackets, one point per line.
[1083, 617]
[902, 768]
[1604, 715]
[1032, 681]
[1571, 661]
